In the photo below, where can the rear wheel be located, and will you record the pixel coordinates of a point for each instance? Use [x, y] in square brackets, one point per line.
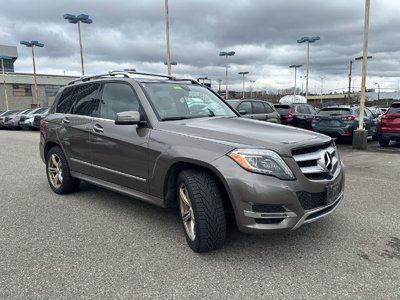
[58, 173]
[383, 142]
[202, 210]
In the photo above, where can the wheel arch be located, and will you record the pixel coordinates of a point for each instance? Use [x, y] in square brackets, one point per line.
[169, 190]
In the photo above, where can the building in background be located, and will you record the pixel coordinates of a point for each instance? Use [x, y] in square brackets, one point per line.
[21, 89]
[10, 53]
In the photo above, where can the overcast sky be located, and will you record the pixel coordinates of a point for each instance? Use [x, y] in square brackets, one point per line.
[263, 33]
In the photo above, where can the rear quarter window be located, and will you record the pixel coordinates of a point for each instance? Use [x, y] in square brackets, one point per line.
[66, 101]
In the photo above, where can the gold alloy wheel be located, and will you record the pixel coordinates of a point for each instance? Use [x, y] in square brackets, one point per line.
[187, 212]
[55, 171]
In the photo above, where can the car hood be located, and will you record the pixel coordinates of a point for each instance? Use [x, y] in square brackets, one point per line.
[240, 132]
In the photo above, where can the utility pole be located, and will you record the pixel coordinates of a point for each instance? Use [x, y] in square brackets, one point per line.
[360, 135]
[348, 96]
[167, 37]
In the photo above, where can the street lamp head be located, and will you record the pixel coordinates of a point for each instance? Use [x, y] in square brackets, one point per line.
[172, 63]
[71, 18]
[313, 39]
[26, 43]
[360, 57]
[243, 73]
[224, 53]
[295, 66]
[308, 39]
[303, 39]
[37, 44]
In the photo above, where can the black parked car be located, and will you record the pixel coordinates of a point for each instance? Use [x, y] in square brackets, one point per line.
[296, 114]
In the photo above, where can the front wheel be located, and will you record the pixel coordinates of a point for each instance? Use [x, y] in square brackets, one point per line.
[58, 173]
[202, 210]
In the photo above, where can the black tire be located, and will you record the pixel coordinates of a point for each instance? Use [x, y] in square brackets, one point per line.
[375, 137]
[207, 209]
[68, 184]
[383, 143]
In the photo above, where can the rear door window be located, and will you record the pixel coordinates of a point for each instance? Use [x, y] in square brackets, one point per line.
[258, 108]
[66, 101]
[87, 101]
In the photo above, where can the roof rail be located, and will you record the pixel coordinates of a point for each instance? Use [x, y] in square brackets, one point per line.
[131, 74]
[187, 79]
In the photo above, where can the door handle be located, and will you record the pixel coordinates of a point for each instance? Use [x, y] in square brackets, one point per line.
[97, 128]
[66, 120]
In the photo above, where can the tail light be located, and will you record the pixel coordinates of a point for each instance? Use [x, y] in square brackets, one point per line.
[385, 116]
[42, 126]
[348, 118]
[291, 115]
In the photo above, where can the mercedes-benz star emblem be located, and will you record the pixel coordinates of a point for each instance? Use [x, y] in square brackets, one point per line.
[328, 161]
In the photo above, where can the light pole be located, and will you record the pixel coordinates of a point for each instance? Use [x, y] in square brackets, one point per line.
[322, 86]
[251, 88]
[77, 20]
[226, 54]
[308, 40]
[4, 78]
[32, 45]
[295, 77]
[360, 135]
[379, 91]
[350, 67]
[167, 38]
[171, 63]
[302, 82]
[219, 85]
[243, 73]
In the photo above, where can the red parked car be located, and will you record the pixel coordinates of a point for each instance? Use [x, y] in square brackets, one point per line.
[390, 125]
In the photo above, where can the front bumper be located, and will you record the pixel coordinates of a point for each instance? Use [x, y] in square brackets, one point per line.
[265, 204]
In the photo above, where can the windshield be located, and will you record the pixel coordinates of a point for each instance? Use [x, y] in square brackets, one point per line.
[175, 101]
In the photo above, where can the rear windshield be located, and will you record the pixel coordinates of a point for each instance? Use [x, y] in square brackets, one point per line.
[394, 109]
[282, 109]
[334, 111]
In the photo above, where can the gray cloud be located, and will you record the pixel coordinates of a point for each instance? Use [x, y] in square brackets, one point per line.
[263, 34]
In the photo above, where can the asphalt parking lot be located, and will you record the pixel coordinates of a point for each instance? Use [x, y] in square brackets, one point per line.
[97, 244]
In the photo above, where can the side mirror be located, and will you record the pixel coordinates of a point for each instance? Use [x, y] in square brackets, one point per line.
[127, 118]
[242, 112]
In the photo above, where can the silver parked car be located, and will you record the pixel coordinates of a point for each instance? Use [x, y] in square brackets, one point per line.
[256, 109]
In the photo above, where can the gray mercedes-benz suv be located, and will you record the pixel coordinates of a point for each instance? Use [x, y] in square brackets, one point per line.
[144, 135]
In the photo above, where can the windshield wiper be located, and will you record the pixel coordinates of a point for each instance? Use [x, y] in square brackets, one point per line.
[173, 118]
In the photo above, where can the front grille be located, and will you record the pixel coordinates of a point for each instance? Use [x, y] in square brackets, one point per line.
[307, 163]
[311, 200]
[311, 149]
[265, 208]
[322, 211]
[317, 162]
[268, 221]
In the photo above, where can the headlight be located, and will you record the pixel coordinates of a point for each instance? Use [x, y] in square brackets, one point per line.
[262, 161]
